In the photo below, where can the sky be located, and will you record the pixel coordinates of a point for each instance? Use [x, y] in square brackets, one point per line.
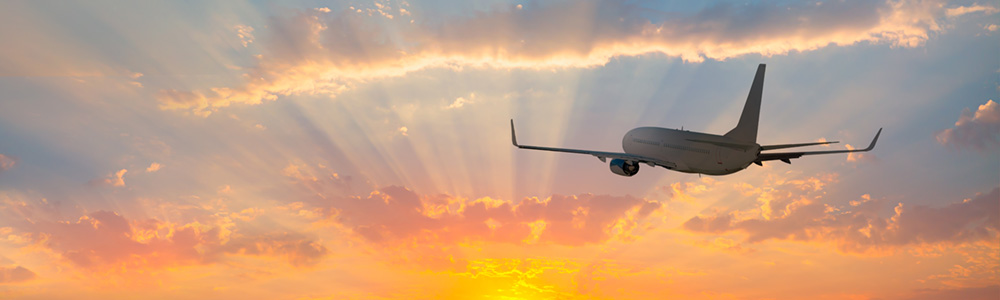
[360, 150]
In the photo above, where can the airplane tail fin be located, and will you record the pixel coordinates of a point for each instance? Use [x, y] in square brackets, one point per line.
[746, 129]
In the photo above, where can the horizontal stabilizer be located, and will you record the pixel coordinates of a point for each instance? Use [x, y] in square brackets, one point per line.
[724, 144]
[783, 146]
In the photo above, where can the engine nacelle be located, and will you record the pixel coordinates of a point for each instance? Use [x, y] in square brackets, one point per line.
[624, 168]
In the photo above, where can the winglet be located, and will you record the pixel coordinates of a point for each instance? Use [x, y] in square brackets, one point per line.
[872, 146]
[513, 138]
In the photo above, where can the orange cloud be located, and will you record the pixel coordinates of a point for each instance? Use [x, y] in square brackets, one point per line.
[113, 179]
[107, 241]
[395, 215]
[398, 215]
[979, 130]
[961, 10]
[245, 33]
[984, 293]
[153, 167]
[6, 162]
[15, 274]
[859, 156]
[861, 229]
[316, 52]
[684, 191]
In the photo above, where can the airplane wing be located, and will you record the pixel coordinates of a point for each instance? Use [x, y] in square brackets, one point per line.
[787, 156]
[772, 147]
[603, 156]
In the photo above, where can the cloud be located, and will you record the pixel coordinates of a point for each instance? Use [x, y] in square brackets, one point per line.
[117, 178]
[398, 215]
[245, 33]
[973, 293]
[461, 101]
[153, 167]
[686, 191]
[961, 10]
[318, 180]
[979, 130]
[113, 179]
[15, 274]
[859, 156]
[859, 228]
[314, 52]
[6, 162]
[725, 244]
[104, 240]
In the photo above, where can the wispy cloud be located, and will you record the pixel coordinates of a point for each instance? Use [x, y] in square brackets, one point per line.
[314, 52]
[245, 33]
[461, 101]
[114, 179]
[153, 167]
[6, 162]
[961, 10]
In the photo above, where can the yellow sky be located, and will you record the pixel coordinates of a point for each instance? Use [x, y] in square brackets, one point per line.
[250, 150]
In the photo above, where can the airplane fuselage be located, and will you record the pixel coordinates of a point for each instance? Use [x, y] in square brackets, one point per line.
[693, 152]
[696, 152]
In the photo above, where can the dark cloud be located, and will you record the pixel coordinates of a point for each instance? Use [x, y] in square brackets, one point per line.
[991, 292]
[979, 130]
[861, 228]
[15, 274]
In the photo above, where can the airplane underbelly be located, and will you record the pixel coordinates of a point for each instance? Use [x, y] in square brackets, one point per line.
[684, 158]
[721, 161]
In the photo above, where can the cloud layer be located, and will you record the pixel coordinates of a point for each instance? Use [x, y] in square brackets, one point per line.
[105, 240]
[324, 52]
[395, 214]
[859, 227]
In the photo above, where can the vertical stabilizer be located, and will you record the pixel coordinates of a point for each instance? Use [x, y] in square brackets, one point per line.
[746, 129]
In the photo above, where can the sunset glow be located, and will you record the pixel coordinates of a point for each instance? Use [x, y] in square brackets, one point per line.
[361, 150]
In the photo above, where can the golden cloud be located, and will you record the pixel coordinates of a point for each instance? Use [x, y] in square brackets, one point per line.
[104, 240]
[396, 215]
[316, 52]
[860, 229]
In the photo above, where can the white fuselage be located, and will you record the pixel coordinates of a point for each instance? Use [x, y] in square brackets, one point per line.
[693, 152]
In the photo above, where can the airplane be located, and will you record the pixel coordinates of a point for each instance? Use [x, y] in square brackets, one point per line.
[696, 152]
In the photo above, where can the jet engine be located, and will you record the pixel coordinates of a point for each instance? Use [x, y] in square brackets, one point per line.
[624, 168]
